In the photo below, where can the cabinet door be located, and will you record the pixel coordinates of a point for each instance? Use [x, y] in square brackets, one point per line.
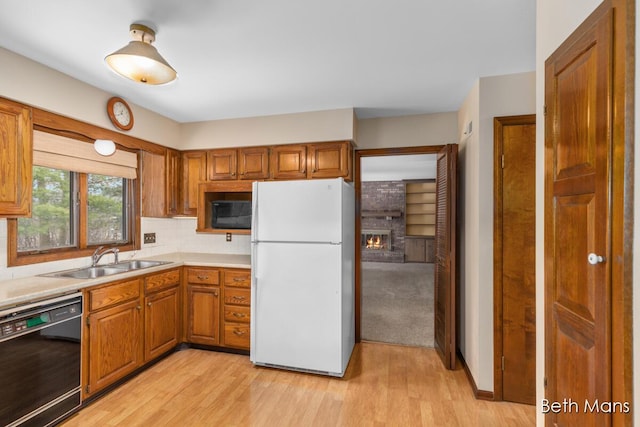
[16, 143]
[253, 163]
[222, 164]
[204, 315]
[289, 162]
[194, 171]
[330, 160]
[161, 323]
[153, 183]
[172, 159]
[115, 345]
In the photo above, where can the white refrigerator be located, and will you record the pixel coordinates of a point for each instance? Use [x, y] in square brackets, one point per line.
[302, 285]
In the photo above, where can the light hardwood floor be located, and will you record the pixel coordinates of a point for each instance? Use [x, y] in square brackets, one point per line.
[385, 385]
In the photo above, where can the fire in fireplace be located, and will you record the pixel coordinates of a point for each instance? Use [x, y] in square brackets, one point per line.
[376, 240]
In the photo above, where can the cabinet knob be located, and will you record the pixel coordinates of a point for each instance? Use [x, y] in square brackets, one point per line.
[215, 293]
[233, 174]
[139, 308]
[149, 303]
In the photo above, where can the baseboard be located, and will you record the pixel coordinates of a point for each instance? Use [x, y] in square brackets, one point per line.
[479, 394]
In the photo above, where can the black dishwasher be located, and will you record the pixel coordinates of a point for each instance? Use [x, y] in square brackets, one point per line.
[40, 361]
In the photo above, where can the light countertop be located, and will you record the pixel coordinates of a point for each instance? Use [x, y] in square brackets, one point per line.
[20, 291]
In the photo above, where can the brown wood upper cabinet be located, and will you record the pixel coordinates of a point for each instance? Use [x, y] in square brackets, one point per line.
[16, 143]
[153, 182]
[289, 161]
[172, 187]
[330, 160]
[244, 163]
[194, 171]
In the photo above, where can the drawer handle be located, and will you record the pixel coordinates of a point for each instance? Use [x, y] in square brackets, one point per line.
[239, 279]
[238, 315]
[238, 332]
[202, 277]
[239, 298]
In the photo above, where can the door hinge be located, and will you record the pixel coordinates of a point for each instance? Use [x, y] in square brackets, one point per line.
[545, 110]
[545, 382]
[88, 321]
[87, 389]
[503, 363]
[502, 158]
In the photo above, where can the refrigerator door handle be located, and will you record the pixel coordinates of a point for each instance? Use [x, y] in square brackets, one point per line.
[254, 212]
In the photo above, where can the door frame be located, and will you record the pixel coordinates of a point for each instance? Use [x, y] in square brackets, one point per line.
[373, 152]
[498, 144]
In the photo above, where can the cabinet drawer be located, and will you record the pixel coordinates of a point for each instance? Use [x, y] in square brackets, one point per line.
[237, 278]
[113, 294]
[162, 280]
[237, 335]
[203, 276]
[237, 296]
[237, 313]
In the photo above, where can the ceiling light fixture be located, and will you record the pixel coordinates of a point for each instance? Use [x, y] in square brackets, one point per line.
[104, 147]
[139, 60]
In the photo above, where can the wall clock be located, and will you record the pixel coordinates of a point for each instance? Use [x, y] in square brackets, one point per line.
[120, 113]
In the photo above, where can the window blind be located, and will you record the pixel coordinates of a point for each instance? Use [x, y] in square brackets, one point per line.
[59, 152]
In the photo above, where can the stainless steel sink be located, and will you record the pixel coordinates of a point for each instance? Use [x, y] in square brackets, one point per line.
[137, 264]
[87, 272]
[106, 270]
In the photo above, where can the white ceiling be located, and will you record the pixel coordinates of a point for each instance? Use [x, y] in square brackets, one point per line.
[243, 58]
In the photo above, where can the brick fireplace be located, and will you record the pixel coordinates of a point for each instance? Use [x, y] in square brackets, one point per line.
[382, 214]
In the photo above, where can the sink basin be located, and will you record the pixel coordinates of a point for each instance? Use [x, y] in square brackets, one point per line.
[88, 272]
[106, 270]
[137, 264]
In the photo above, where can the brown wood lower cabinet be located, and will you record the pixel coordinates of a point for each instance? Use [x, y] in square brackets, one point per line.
[207, 323]
[131, 322]
[117, 341]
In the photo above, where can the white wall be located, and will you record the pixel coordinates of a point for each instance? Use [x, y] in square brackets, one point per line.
[490, 97]
[315, 126]
[408, 131]
[29, 82]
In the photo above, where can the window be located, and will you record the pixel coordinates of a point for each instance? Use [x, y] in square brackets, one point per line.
[72, 214]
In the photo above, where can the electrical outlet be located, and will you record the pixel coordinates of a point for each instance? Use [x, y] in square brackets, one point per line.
[228, 237]
[149, 238]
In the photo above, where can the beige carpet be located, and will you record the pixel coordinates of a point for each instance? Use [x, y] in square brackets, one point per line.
[397, 303]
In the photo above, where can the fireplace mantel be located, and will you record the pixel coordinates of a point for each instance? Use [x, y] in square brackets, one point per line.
[381, 214]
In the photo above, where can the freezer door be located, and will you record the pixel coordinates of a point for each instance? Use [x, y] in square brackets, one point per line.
[296, 310]
[298, 211]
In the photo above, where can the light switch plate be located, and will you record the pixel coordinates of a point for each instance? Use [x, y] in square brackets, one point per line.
[149, 238]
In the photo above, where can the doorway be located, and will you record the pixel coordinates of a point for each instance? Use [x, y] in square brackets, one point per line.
[397, 215]
[445, 267]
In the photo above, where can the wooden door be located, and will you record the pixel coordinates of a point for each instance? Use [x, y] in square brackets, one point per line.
[445, 256]
[578, 93]
[194, 171]
[289, 161]
[329, 160]
[253, 163]
[115, 345]
[222, 164]
[161, 322]
[514, 258]
[16, 142]
[203, 324]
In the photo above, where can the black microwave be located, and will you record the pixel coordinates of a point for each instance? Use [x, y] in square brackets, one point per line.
[231, 214]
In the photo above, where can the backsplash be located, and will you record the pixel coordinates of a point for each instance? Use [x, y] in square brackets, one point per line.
[172, 235]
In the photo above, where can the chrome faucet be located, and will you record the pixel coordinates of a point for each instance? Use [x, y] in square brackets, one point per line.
[97, 255]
